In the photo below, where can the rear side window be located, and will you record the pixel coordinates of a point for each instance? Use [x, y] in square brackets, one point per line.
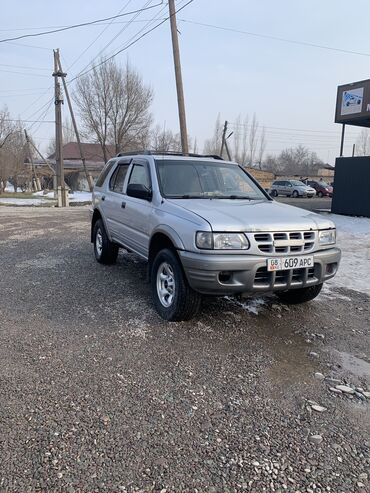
[104, 174]
[118, 178]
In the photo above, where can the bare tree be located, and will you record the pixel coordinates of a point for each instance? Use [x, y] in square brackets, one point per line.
[363, 143]
[68, 136]
[5, 133]
[165, 140]
[294, 161]
[213, 145]
[19, 174]
[240, 139]
[12, 151]
[195, 146]
[114, 106]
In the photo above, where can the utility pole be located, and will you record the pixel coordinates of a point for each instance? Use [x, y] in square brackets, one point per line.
[35, 180]
[62, 200]
[82, 154]
[179, 86]
[227, 150]
[223, 141]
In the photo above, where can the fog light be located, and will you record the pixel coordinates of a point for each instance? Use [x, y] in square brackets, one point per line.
[225, 277]
[331, 268]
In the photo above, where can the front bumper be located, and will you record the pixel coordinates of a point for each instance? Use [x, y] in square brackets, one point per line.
[247, 274]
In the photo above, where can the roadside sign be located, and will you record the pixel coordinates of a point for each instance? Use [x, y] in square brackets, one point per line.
[353, 104]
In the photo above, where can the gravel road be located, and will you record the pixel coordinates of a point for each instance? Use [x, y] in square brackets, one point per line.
[98, 394]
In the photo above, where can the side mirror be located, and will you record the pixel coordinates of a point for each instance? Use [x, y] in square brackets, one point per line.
[139, 191]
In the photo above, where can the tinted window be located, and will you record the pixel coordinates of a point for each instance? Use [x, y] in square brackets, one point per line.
[139, 175]
[104, 174]
[118, 178]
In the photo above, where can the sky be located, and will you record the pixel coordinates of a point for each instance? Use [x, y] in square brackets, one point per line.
[290, 87]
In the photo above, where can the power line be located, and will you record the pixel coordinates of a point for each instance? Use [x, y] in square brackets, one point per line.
[96, 38]
[29, 46]
[276, 38]
[24, 67]
[128, 46]
[285, 128]
[29, 74]
[74, 26]
[57, 27]
[19, 94]
[111, 41]
[28, 121]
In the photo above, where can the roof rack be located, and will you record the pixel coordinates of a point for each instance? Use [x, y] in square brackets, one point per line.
[168, 153]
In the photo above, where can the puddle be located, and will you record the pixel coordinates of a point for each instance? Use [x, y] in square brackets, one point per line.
[357, 366]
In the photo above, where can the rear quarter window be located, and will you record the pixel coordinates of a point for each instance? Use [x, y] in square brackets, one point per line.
[104, 174]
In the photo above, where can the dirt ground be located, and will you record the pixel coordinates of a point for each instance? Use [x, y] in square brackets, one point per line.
[98, 394]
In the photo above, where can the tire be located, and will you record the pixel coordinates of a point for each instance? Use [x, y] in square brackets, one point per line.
[274, 193]
[184, 303]
[320, 194]
[105, 251]
[295, 194]
[297, 296]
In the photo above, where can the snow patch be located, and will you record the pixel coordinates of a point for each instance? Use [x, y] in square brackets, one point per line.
[253, 305]
[353, 238]
[16, 201]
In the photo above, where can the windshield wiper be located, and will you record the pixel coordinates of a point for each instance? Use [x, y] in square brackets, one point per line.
[234, 197]
[185, 196]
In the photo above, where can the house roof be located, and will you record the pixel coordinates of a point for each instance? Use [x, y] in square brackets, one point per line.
[93, 152]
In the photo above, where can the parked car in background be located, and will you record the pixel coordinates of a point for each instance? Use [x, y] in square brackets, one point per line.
[206, 227]
[322, 188]
[291, 188]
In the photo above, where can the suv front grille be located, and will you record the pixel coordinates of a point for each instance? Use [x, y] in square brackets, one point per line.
[286, 278]
[288, 242]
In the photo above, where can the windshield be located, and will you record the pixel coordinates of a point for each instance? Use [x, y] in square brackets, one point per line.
[200, 179]
[297, 183]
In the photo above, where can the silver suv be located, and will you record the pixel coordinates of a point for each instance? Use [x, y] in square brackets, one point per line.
[206, 227]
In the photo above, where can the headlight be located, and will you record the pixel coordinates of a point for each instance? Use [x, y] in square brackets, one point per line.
[221, 241]
[327, 237]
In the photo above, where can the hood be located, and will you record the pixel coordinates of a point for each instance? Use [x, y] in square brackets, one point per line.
[249, 215]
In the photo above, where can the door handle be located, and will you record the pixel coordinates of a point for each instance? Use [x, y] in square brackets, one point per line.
[123, 205]
[103, 198]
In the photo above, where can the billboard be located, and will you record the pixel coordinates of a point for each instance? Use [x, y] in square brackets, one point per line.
[353, 104]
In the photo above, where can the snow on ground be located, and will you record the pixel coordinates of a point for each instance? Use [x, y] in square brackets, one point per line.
[44, 198]
[353, 238]
[80, 197]
[16, 201]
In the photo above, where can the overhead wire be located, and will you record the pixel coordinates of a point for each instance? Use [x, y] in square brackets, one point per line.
[276, 38]
[96, 38]
[128, 45]
[74, 26]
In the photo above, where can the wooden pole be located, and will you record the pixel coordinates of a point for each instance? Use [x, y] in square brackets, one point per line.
[61, 190]
[178, 75]
[223, 141]
[89, 179]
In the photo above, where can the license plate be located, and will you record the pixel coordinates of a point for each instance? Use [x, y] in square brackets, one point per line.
[288, 263]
